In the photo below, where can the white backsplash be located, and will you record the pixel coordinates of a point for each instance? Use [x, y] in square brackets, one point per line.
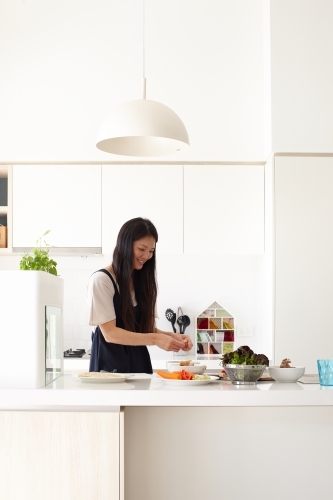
[191, 282]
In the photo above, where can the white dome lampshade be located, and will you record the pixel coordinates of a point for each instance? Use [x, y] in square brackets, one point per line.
[142, 128]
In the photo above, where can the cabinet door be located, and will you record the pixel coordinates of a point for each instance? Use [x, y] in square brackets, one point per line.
[66, 199]
[61, 455]
[223, 209]
[151, 191]
[303, 260]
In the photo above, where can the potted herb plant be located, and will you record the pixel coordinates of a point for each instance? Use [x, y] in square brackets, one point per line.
[40, 259]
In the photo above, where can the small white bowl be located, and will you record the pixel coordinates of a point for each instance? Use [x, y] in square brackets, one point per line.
[286, 374]
[196, 369]
[174, 362]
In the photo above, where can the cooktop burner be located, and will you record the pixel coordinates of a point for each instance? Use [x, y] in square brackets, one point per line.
[76, 353]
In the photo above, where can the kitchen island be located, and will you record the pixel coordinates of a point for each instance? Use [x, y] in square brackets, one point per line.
[151, 391]
[143, 439]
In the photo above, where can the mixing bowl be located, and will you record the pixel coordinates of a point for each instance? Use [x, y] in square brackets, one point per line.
[244, 374]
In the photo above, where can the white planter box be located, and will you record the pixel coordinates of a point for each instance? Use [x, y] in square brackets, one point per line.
[25, 296]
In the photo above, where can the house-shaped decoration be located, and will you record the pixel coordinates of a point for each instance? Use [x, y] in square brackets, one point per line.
[214, 332]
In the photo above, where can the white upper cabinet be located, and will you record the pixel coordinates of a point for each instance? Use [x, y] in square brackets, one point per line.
[65, 199]
[224, 209]
[150, 191]
[300, 76]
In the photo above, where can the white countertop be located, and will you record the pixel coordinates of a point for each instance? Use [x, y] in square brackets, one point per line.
[68, 392]
[157, 364]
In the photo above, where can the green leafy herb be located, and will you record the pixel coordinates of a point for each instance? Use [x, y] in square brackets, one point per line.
[39, 260]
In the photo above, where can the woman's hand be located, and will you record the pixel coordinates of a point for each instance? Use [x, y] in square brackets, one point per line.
[170, 343]
[185, 339]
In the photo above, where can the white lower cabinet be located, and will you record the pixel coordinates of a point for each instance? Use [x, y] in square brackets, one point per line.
[171, 452]
[224, 209]
[65, 199]
[63, 455]
[150, 191]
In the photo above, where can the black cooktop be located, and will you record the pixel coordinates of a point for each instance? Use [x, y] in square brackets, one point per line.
[74, 353]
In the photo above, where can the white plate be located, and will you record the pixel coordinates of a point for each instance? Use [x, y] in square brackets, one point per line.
[188, 383]
[116, 377]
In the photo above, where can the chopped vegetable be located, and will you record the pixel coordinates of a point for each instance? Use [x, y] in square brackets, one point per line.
[173, 375]
[182, 375]
[205, 376]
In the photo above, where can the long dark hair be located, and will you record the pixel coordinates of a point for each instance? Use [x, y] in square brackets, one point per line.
[144, 280]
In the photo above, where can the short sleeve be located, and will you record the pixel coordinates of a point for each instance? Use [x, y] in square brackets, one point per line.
[100, 293]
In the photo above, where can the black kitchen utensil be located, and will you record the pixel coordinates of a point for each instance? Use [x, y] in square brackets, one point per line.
[187, 321]
[171, 316]
[183, 321]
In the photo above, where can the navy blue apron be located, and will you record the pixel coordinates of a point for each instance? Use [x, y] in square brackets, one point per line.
[122, 358]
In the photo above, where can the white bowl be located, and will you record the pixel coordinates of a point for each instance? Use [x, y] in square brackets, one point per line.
[286, 374]
[174, 362]
[196, 369]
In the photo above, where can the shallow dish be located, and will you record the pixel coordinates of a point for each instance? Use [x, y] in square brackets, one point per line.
[286, 374]
[196, 369]
[102, 378]
[244, 374]
[188, 383]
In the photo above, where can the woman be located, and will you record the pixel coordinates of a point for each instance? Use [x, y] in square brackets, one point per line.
[122, 301]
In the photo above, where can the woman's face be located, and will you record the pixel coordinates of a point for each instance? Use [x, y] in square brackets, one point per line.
[143, 250]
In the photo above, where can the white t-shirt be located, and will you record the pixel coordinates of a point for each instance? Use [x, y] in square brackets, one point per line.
[100, 293]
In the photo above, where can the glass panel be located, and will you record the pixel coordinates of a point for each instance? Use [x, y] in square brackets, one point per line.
[53, 343]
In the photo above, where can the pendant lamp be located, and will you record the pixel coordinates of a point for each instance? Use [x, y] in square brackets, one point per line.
[142, 127]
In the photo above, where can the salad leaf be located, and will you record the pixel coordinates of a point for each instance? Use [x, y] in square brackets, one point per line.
[244, 356]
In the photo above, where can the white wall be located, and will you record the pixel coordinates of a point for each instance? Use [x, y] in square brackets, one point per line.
[65, 64]
[189, 282]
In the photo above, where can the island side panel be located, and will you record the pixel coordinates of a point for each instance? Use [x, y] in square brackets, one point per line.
[255, 453]
[60, 455]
